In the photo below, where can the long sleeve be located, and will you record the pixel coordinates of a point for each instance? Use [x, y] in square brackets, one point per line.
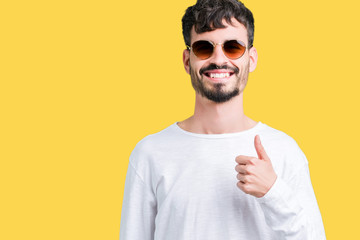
[291, 210]
[138, 209]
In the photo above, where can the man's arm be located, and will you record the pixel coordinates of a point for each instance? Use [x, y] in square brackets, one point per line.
[290, 207]
[138, 209]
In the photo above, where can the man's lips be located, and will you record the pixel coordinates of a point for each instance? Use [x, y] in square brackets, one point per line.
[218, 74]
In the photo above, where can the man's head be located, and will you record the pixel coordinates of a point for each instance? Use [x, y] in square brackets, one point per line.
[208, 15]
[227, 26]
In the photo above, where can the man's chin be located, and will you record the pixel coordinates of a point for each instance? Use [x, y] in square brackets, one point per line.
[220, 97]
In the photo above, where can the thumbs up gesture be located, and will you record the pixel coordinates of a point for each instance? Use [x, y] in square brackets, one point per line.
[256, 175]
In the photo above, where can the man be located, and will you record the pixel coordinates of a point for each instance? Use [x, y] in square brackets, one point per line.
[181, 182]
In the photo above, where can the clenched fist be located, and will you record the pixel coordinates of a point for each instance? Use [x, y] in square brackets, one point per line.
[256, 175]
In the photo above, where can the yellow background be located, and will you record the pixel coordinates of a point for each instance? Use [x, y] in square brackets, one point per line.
[83, 81]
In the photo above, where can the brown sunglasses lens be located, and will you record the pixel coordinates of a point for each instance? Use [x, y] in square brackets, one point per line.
[233, 49]
[202, 49]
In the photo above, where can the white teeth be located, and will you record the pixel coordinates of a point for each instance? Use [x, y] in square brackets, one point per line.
[219, 75]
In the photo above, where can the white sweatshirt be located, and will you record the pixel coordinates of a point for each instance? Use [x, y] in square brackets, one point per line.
[182, 186]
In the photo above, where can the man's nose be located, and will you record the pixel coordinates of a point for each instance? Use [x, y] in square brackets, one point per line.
[218, 57]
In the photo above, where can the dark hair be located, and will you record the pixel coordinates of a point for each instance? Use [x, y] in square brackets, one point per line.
[207, 15]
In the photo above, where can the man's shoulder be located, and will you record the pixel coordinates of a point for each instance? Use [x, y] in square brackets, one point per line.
[278, 141]
[153, 146]
[276, 135]
[152, 141]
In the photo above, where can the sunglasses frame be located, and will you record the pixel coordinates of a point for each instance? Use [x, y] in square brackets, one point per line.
[222, 47]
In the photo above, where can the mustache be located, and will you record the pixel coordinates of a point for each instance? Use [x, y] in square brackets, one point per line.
[214, 66]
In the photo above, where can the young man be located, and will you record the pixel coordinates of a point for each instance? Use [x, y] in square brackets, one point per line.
[181, 182]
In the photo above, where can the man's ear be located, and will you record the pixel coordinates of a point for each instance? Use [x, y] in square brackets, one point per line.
[253, 59]
[186, 60]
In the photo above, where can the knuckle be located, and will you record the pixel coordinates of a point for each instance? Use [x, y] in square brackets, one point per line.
[242, 169]
[251, 178]
[247, 169]
[250, 169]
[247, 188]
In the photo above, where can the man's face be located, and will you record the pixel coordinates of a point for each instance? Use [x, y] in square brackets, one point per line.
[219, 78]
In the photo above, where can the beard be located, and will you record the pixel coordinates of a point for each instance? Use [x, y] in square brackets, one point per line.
[216, 92]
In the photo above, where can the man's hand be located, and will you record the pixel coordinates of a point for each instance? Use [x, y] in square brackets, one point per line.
[256, 175]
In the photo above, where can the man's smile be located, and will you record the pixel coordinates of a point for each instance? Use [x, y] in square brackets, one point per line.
[218, 75]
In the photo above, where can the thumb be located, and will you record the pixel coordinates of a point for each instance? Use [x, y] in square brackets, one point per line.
[260, 149]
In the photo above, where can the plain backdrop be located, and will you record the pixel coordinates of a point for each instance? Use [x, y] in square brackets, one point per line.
[81, 82]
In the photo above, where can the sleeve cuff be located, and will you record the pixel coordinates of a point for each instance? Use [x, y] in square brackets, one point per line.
[280, 199]
[276, 192]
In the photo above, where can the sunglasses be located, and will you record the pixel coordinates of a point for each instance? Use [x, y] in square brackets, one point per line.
[232, 49]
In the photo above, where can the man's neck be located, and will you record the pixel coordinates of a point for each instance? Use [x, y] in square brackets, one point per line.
[216, 118]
